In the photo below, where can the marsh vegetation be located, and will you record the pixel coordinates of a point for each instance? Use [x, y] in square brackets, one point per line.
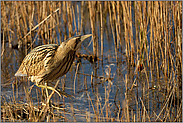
[129, 71]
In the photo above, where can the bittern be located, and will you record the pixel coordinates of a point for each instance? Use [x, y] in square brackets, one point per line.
[48, 62]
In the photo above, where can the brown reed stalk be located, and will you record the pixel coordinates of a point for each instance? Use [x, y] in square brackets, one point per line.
[156, 13]
[51, 31]
[74, 17]
[82, 14]
[137, 42]
[60, 30]
[70, 18]
[96, 116]
[152, 44]
[116, 28]
[14, 100]
[145, 112]
[97, 29]
[151, 58]
[101, 31]
[97, 105]
[79, 21]
[130, 30]
[116, 22]
[119, 26]
[112, 27]
[24, 14]
[11, 24]
[127, 100]
[75, 78]
[164, 18]
[101, 110]
[145, 25]
[44, 33]
[18, 21]
[92, 20]
[106, 104]
[89, 119]
[3, 46]
[125, 27]
[141, 35]
[64, 19]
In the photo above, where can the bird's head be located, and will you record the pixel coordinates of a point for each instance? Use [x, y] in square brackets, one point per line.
[75, 42]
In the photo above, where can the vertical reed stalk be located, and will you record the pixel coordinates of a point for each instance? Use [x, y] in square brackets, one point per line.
[79, 21]
[112, 28]
[101, 31]
[92, 20]
[119, 25]
[126, 99]
[81, 28]
[74, 17]
[124, 4]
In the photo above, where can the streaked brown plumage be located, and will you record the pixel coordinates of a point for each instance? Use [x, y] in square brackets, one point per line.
[49, 62]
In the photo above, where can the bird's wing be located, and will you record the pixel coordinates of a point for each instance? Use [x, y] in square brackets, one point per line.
[36, 60]
[48, 60]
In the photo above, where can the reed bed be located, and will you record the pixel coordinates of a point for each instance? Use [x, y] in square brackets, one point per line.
[135, 60]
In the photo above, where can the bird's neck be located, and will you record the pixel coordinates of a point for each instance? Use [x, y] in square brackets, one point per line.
[63, 50]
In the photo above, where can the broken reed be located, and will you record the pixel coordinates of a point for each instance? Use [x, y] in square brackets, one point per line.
[151, 38]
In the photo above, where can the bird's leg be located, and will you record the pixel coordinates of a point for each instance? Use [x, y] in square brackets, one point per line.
[48, 87]
[64, 93]
[53, 89]
[46, 90]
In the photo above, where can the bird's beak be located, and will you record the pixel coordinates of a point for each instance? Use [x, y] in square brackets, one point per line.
[85, 37]
[82, 39]
[75, 42]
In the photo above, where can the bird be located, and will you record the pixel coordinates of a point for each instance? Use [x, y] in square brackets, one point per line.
[48, 62]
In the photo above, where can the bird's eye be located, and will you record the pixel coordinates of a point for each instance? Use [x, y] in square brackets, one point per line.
[78, 40]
